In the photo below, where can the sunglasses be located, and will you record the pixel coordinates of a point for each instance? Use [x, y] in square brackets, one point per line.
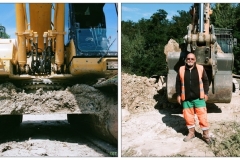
[191, 59]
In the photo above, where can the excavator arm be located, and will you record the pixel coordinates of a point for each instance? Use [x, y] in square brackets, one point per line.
[36, 35]
[201, 39]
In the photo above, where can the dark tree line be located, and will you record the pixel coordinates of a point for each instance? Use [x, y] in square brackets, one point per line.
[143, 42]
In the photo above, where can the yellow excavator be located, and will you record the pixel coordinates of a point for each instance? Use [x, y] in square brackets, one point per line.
[213, 49]
[40, 54]
[58, 45]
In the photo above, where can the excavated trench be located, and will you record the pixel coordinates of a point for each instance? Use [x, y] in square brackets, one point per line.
[85, 105]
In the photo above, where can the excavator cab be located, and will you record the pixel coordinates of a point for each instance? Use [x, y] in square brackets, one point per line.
[89, 25]
[212, 48]
[88, 46]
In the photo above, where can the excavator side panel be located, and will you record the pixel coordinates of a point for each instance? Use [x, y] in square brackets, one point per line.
[87, 65]
[7, 56]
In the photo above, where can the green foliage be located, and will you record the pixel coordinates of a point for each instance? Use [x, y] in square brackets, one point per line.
[4, 35]
[132, 53]
[178, 26]
[223, 15]
[226, 15]
[227, 143]
[143, 45]
[2, 32]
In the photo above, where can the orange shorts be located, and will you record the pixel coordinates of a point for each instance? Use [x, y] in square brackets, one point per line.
[198, 107]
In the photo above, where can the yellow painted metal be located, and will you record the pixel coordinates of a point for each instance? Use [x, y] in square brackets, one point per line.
[5, 67]
[40, 19]
[81, 66]
[7, 55]
[59, 28]
[21, 25]
[14, 51]
[7, 49]
[71, 51]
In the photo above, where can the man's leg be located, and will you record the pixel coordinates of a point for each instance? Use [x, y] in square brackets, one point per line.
[188, 114]
[201, 112]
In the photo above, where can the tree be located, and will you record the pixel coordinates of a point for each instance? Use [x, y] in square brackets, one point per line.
[128, 28]
[178, 27]
[3, 33]
[224, 15]
[143, 45]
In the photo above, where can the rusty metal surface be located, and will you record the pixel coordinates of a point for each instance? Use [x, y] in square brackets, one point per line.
[171, 91]
[220, 90]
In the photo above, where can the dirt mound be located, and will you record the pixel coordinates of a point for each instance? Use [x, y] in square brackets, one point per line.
[140, 94]
[79, 98]
[171, 46]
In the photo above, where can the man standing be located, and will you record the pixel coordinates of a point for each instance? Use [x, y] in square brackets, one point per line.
[192, 87]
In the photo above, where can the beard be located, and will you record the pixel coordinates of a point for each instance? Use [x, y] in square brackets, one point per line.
[190, 65]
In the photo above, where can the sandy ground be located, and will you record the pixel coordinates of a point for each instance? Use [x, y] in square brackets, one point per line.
[151, 127]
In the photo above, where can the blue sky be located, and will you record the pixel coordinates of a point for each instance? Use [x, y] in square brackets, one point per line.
[8, 20]
[136, 11]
